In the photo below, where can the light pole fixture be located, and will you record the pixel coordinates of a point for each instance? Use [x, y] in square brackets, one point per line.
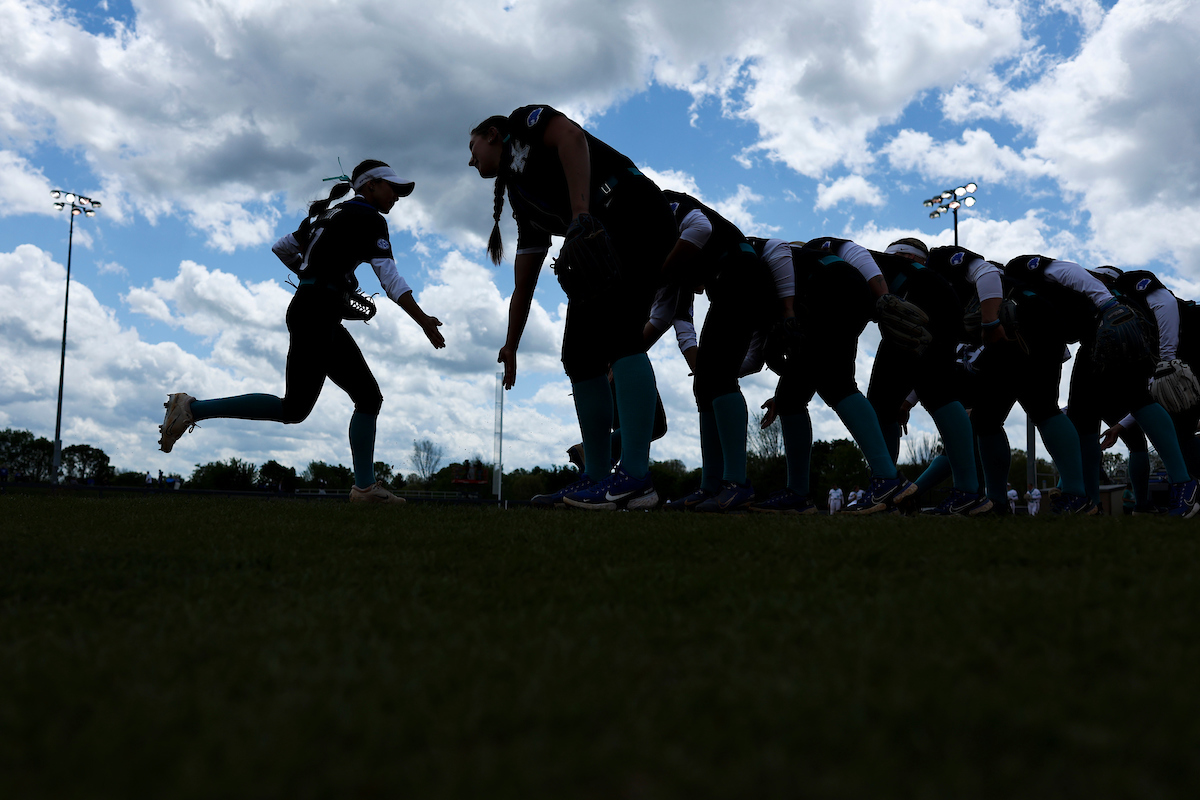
[950, 201]
[79, 205]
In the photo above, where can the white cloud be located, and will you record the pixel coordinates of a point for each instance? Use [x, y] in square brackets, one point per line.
[116, 380]
[854, 188]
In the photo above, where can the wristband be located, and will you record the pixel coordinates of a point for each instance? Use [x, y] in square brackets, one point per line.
[994, 323]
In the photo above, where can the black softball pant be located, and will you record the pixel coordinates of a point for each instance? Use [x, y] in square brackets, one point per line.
[742, 301]
[836, 306]
[602, 329]
[321, 348]
[898, 371]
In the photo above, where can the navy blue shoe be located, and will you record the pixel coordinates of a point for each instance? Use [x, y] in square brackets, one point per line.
[1185, 500]
[785, 501]
[617, 491]
[689, 502]
[1074, 504]
[732, 497]
[885, 493]
[961, 504]
[555, 499]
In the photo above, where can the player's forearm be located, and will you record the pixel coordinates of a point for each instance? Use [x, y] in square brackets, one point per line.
[526, 268]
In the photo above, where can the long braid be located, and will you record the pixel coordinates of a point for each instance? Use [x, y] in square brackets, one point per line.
[495, 245]
[500, 123]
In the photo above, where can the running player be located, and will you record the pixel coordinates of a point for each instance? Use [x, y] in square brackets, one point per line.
[325, 252]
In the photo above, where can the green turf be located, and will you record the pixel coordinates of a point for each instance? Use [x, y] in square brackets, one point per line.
[202, 648]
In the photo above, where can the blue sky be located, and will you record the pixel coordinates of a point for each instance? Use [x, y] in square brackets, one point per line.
[205, 126]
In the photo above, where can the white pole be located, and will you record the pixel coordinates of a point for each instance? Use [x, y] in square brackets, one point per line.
[498, 440]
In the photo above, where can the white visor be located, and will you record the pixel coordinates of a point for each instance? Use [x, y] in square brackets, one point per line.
[908, 249]
[1112, 273]
[403, 187]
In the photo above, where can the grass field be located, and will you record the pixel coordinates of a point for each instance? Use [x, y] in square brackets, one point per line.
[182, 647]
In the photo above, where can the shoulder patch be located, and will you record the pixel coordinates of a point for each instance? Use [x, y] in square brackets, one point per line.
[826, 245]
[532, 119]
[674, 207]
[1143, 284]
[957, 258]
[384, 245]
[1032, 264]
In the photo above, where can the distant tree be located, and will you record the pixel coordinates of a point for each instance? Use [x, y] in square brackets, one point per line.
[839, 461]
[333, 478]
[923, 448]
[425, 460]
[766, 443]
[129, 478]
[231, 475]
[26, 455]
[278, 478]
[384, 472]
[84, 462]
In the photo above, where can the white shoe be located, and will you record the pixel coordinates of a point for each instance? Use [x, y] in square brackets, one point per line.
[178, 420]
[373, 494]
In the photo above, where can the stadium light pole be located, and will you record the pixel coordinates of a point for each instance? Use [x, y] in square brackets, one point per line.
[950, 201]
[79, 205]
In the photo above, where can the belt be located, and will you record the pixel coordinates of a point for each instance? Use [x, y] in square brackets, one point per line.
[607, 187]
[321, 284]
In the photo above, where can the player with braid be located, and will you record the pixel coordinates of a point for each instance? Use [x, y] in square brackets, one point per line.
[562, 181]
[325, 252]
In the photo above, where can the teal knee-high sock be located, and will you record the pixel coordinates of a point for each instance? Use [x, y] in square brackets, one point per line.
[996, 455]
[244, 406]
[712, 463]
[797, 448]
[362, 448]
[958, 439]
[1160, 430]
[636, 403]
[859, 417]
[937, 471]
[593, 406]
[1062, 442]
[1089, 455]
[615, 441]
[1139, 476]
[732, 419]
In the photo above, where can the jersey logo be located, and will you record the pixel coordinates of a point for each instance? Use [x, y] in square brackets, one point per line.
[1033, 263]
[956, 259]
[384, 245]
[825, 245]
[532, 119]
[674, 207]
[1143, 284]
[520, 152]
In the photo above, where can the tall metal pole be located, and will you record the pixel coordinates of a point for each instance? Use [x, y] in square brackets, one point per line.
[956, 226]
[498, 440]
[62, 364]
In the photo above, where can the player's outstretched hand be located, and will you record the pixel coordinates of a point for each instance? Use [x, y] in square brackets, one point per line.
[508, 357]
[1110, 436]
[771, 414]
[430, 326]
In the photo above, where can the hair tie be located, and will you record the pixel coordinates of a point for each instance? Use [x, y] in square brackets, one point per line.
[342, 177]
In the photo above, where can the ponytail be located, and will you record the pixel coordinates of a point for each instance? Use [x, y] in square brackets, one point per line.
[318, 207]
[495, 246]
